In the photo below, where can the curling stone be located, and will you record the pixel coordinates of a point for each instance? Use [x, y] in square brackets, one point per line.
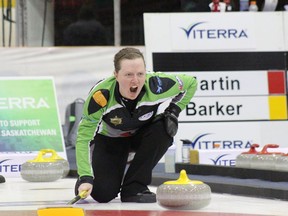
[243, 160]
[264, 159]
[56, 157]
[281, 163]
[41, 169]
[184, 194]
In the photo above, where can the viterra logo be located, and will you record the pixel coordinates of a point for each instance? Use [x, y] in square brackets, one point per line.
[23, 103]
[5, 168]
[201, 142]
[198, 31]
[220, 160]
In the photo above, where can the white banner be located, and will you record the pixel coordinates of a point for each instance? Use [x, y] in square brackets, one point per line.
[10, 163]
[205, 31]
[228, 157]
[202, 32]
[219, 157]
[232, 135]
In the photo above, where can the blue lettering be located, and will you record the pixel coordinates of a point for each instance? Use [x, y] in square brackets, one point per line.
[201, 33]
[221, 33]
[232, 163]
[213, 33]
[238, 143]
[224, 144]
[14, 168]
[10, 168]
[206, 144]
[223, 162]
[227, 143]
[200, 142]
[243, 34]
[232, 32]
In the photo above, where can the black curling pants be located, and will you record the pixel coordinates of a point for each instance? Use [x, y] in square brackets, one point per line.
[109, 162]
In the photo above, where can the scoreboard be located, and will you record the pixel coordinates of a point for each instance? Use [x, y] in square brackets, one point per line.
[240, 62]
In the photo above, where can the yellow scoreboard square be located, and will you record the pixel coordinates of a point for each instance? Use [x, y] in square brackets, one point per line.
[278, 107]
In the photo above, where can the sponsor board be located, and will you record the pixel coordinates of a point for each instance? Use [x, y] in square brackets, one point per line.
[213, 32]
[10, 164]
[29, 121]
[207, 30]
[29, 118]
[236, 136]
[228, 157]
[219, 157]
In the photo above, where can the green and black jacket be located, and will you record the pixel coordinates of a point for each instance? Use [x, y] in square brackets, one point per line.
[107, 113]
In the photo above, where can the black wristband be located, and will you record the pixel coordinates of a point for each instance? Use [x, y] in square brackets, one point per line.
[86, 179]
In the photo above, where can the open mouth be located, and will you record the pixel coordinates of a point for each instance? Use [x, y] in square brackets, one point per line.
[133, 89]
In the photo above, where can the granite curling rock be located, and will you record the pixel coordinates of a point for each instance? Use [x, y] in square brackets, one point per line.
[41, 169]
[56, 157]
[281, 163]
[265, 160]
[243, 160]
[184, 194]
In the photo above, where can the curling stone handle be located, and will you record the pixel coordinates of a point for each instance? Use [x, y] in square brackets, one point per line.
[46, 151]
[49, 151]
[264, 150]
[54, 155]
[252, 149]
[52, 158]
[255, 145]
[40, 157]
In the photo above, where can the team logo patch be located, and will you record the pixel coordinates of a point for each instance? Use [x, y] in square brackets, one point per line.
[116, 121]
[159, 85]
[146, 116]
[100, 99]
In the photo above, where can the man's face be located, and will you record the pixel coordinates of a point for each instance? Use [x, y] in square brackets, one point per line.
[131, 77]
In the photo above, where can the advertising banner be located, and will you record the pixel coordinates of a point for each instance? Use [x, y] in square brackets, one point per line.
[196, 32]
[235, 137]
[29, 119]
[226, 157]
[11, 163]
